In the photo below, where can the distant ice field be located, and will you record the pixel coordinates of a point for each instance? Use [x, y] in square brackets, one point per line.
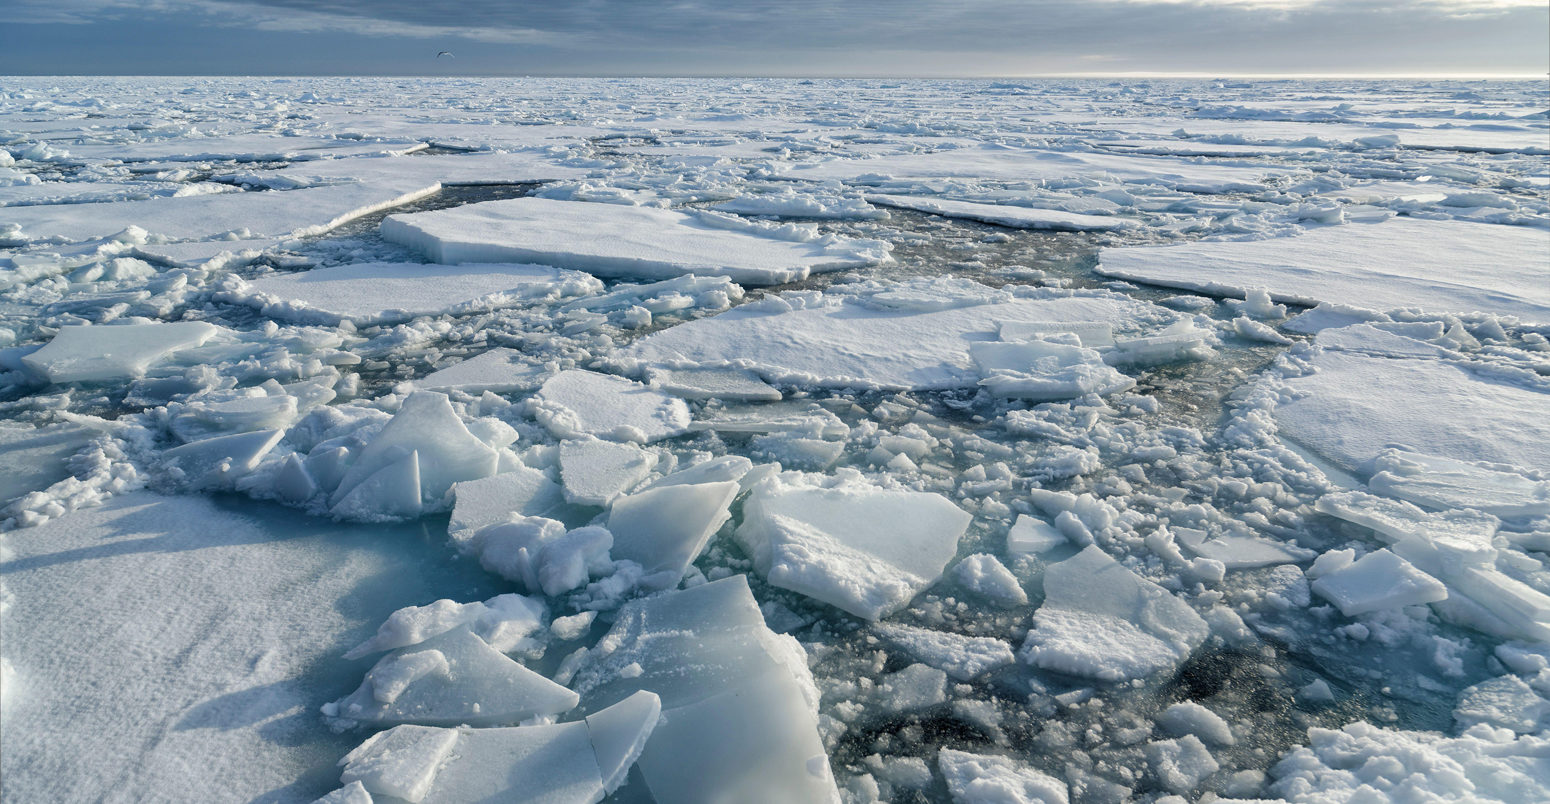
[410, 440]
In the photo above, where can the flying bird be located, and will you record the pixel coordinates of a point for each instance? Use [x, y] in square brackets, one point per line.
[445, 53]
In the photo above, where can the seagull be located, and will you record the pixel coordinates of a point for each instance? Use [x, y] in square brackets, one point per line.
[445, 53]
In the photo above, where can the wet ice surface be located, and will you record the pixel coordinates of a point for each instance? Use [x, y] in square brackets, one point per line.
[937, 508]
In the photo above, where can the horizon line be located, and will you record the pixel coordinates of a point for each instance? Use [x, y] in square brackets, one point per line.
[1197, 75]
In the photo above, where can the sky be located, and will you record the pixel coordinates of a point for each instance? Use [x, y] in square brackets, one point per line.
[774, 37]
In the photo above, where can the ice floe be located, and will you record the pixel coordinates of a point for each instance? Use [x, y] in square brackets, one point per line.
[624, 241]
[576, 403]
[868, 551]
[1002, 214]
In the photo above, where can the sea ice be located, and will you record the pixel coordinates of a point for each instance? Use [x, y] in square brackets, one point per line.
[733, 385]
[596, 472]
[1044, 371]
[866, 550]
[1032, 535]
[427, 427]
[982, 779]
[1440, 266]
[959, 656]
[498, 370]
[505, 621]
[833, 341]
[1442, 483]
[378, 293]
[1379, 580]
[1003, 214]
[579, 762]
[1102, 621]
[492, 500]
[665, 527]
[616, 241]
[707, 653]
[450, 679]
[576, 403]
[101, 354]
[1348, 411]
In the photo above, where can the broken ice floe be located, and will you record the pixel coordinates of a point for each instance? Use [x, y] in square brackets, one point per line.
[1100, 620]
[377, 293]
[708, 654]
[1003, 214]
[1440, 266]
[923, 341]
[114, 352]
[866, 550]
[579, 762]
[612, 240]
[577, 403]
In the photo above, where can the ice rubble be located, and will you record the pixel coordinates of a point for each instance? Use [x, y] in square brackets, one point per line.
[866, 550]
[95, 354]
[612, 240]
[1100, 620]
[1442, 483]
[377, 293]
[977, 778]
[853, 341]
[579, 403]
[707, 653]
[1002, 214]
[579, 762]
[1439, 266]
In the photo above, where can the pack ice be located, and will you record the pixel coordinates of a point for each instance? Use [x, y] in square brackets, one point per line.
[618, 241]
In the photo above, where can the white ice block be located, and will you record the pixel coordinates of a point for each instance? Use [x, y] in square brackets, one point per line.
[427, 425]
[982, 778]
[618, 241]
[665, 528]
[114, 351]
[577, 403]
[961, 657]
[1379, 580]
[596, 472]
[216, 462]
[1003, 214]
[1043, 371]
[451, 679]
[863, 549]
[1102, 621]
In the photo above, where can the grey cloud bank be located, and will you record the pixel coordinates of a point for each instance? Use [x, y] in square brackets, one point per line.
[798, 37]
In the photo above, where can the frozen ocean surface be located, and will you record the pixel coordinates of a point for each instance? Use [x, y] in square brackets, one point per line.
[572, 440]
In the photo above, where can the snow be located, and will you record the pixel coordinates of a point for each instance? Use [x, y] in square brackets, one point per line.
[865, 550]
[1440, 266]
[378, 293]
[1101, 621]
[1192, 718]
[576, 403]
[1181, 764]
[622, 241]
[89, 354]
[1002, 215]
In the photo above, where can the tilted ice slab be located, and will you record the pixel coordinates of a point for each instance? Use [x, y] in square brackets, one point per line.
[378, 292]
[719, 671]
[579, 762]
[290, 213]
[1439, 266]
[866, 550]
[1003, 215]
[613, 240]
[579, 403]
[427, 433]
[840, 342]
[450, 679]
[114, 351]
[1102, 621]
[666, 527]
[1355, 406]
